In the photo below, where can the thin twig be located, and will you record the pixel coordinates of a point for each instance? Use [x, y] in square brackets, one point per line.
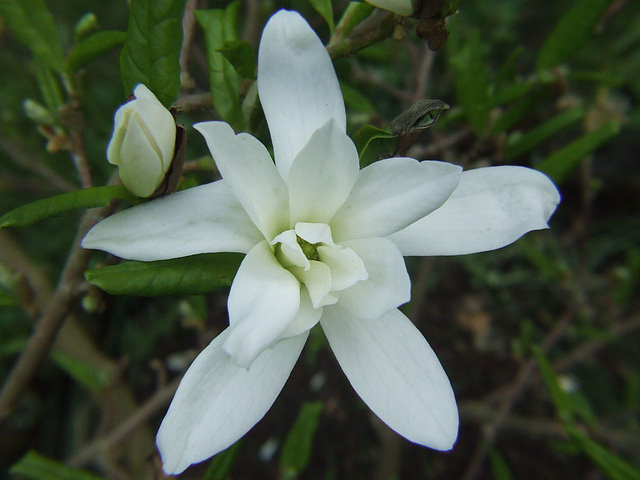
[24, 160]
[188, 33]
[522, 379]
[379, 31]
[79, 156]
[100, 445]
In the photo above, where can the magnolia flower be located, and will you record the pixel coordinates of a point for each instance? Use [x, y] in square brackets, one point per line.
[399, 7]
[324, 243]
[143, 142]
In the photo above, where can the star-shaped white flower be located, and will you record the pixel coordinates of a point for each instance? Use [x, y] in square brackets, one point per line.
[324, 242]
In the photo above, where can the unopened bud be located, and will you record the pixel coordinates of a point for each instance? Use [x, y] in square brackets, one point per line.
[37, 112]
[143, 142]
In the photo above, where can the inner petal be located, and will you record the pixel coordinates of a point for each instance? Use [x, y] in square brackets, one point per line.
[315, 233]
[288, 252]
[317, 279]
[346, 267]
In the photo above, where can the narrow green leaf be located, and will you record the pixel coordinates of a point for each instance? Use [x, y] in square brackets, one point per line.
[192, 275]
[528, 141]
[324, 8]
[34, 466]
[611, 465]
[241, 55]
[33, 24]
[219, 29]
[499, 466]
[560, 398]
[354, 100]
[571, 32]
[151, 53]
[559, 164]
[48, 207]
[49, 86]
[514, 115]
[511, 93]
[355, 13]
[296, 449]
[374, 143]
[92, 47]
[90, 378]
[220, 465]
[470, 77]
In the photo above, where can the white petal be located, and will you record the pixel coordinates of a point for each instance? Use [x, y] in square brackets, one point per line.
[306, 318]
[388, 285]
[315, 233]
[263, 300]
[392, 194]
[289, 253]
[345, 266]
[317, 279]
[247, 168]
[217, 402]
[140, 164]
[204, 219]
[491, 207]
[322, 175]
[160, 124]
[397, 374]
[297, 84]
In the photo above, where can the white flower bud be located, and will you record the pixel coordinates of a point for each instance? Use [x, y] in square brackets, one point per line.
[399, 7]
[143, 141]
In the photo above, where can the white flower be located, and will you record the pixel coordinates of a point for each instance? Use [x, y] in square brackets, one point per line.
[324, 243]
[400, 7]
[142, 143]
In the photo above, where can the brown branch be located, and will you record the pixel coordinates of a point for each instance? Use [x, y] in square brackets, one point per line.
[188, 33]
[379, 31]
[51, 319]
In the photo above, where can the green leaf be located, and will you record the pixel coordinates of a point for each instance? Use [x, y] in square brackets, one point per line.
[48, 207]
[220, 465]
[514, 115]
[560, 398]
[34, 466]
[296, 449]
[354, 100]
[34, 26]
[90, 378]
[48, 84]
[559, 164]
[241, 55]
[499, 466]
[470, 77]
[511, 93]
[324, 8]
[151, 53]
[571, 32]
[355, 13]
[219, 29]
[92, 47]
[374, 143]
[528, 141]
[611, 465]
[191, 275]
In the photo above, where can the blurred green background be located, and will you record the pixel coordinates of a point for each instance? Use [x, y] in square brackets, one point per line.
[539, 339]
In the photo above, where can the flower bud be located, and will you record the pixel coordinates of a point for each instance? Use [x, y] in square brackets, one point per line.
[143, 142]
[399, 7]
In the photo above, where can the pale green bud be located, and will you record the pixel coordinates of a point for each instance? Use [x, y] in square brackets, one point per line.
[143, 142]
[399, 7]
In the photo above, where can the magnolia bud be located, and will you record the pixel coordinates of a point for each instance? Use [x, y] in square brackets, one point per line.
[399, 7]
[143, 142]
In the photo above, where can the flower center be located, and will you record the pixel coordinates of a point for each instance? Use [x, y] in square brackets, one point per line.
[324, 268]
[310, 250]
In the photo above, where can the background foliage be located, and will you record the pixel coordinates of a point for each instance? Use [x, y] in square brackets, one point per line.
[539, 339]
